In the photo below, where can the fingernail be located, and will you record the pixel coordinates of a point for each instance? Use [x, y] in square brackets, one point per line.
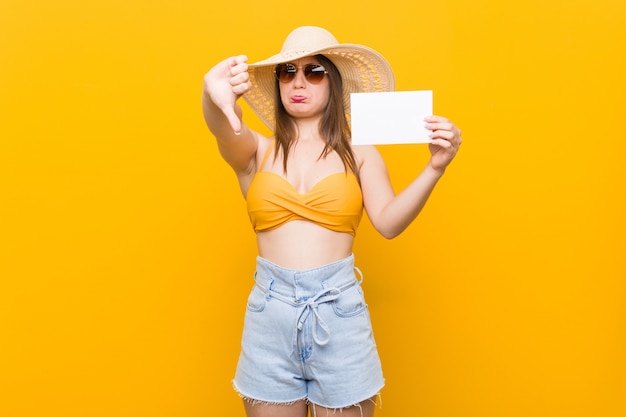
[237, 133]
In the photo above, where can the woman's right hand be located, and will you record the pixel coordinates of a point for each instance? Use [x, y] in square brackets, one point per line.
[225, 83]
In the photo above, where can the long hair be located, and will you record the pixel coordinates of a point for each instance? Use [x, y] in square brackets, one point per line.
[333, 127]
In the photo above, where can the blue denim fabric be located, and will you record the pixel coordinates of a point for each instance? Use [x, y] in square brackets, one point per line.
[307, 334]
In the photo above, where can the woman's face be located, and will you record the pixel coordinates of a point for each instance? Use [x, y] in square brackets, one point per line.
[301, 98]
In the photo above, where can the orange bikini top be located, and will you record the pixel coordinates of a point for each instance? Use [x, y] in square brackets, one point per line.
[335, 202]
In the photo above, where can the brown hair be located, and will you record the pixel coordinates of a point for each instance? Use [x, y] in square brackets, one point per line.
[333, 125]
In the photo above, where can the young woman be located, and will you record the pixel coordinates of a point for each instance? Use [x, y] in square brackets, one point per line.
[307, 339]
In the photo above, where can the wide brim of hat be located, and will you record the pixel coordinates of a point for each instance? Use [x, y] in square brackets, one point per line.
[362, 69]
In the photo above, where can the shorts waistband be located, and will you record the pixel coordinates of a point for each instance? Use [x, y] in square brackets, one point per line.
[307, 289]
[303, 284]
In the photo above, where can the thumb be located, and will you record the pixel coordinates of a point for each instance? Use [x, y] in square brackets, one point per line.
[233, 119]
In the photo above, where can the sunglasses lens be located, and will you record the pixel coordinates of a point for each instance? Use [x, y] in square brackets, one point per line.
[314, 73]
[285, 72]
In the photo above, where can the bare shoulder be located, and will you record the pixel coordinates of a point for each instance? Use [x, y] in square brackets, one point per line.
[367, 156]
[374, 179]
[247, 173]
[264, 145]
[264, 142]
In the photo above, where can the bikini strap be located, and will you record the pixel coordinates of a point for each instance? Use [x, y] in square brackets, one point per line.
[267, 154]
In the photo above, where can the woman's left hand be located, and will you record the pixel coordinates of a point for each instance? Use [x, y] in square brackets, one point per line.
[446, 139]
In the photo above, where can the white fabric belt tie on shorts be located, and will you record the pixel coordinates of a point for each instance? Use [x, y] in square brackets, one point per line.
[324, 296]
[311, 305]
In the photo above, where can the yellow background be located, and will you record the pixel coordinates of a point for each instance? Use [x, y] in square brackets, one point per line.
[126, 254]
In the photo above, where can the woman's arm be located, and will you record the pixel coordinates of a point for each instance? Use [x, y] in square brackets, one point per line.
[391, 214]
[223, 85]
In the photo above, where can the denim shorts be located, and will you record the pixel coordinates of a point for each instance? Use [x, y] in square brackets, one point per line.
[307, 335]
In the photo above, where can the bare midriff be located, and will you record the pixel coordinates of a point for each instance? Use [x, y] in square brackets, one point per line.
[301, 245]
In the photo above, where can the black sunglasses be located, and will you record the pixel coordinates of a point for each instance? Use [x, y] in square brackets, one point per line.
[314, 73]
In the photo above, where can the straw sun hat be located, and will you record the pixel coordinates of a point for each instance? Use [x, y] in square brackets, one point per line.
[362, 69]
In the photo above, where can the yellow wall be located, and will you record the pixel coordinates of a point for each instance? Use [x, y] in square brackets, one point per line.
[126, 255]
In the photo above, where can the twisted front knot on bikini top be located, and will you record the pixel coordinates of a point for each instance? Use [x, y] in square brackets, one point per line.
[335, 202]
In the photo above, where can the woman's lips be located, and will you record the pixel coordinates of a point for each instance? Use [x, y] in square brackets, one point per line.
[298, 99]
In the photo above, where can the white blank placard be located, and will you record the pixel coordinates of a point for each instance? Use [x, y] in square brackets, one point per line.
[390, 117]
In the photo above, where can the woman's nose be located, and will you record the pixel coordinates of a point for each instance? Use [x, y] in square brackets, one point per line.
[299, 81]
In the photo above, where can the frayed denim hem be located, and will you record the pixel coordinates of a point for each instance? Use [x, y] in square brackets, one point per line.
[377, 400]
[254, 401]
